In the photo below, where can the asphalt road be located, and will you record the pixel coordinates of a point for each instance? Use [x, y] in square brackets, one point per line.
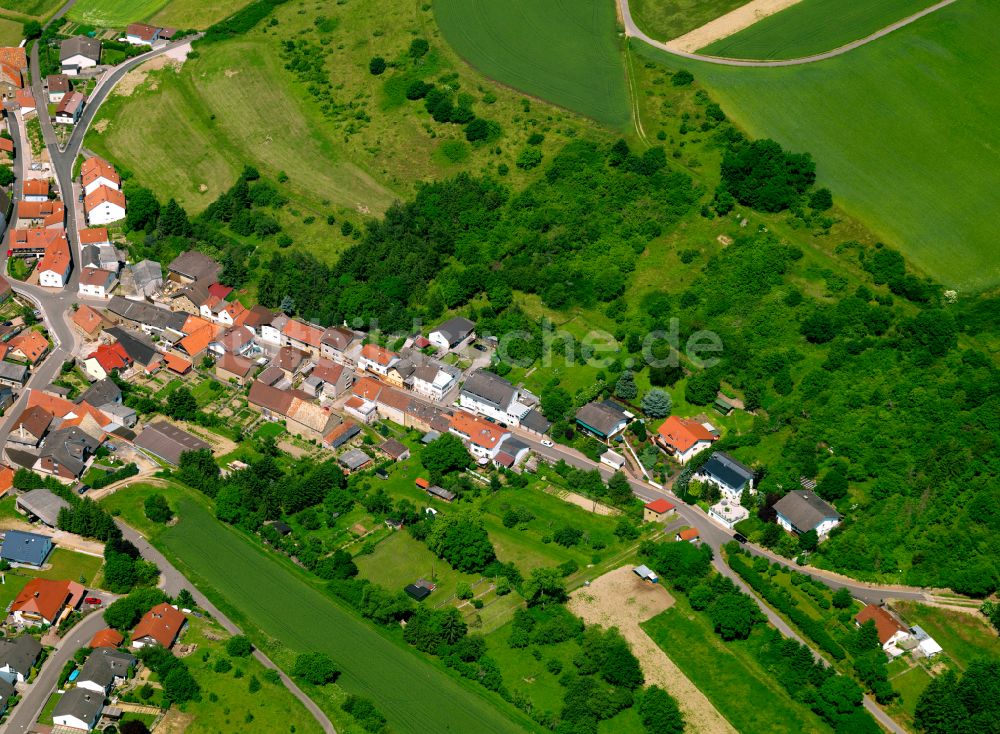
[633, 31]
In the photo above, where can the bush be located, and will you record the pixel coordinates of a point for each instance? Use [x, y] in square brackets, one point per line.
[315, 668]
[365, 713]
[376, 66]
[157, 509]
[238, 646]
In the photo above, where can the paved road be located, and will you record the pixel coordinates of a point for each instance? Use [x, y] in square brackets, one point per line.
[633, 31]
[173, 581]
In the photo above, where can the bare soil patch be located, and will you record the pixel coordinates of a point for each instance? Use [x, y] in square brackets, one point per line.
[621, 599]
[728, 24]
[585, 503]
[174, 722]
[137, 77]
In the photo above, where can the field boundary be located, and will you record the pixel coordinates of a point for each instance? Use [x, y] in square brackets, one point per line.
[633, 31]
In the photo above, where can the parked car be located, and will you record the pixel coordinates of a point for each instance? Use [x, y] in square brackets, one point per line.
[479, 347]
[93, 601]
[547, 442]
[740, 538]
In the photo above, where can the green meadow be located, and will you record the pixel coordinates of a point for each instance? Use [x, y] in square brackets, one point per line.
[882, 123]
[119, 13]
[812, 27]
[667, 19]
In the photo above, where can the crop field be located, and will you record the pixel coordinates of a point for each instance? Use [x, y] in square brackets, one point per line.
[113, 13]
[812, 27]
[728, 674]
[561, 51]
[293, 611]
[34, 8]
[196, 13]
[667, 19]
[876, 119]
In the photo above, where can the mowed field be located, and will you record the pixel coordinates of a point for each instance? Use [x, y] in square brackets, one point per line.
[812, 27]
[667, 19]
[563, 51]
[11, 32]
[903, 131]
[274, 597]
[113, 13]
[35, 8]
[196, 13]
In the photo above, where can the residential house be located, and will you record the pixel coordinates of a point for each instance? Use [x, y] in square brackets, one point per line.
[142, 34]
[143, 279]
[57, 86]
[66, 453]
[891, 632]
[192, 266]
[13, 375]
[361, 409]
[726, 473]
[801, 510]
[96, 172]
[303, 336]
[106, 637]
[451, 333]
[341, 434]
[48, 214]
[43, 601]
[29, 345]
[309, 420]
[376, 359]
[483, 438]
[13, 67]
[684, 438]
[199, 334]
[166, 441]
[25, 549]
[7, 150]
[17, 657]
[24, 100]
[106, 359]
[33, 242]
[255, 317]
[36, 189]
[688, 535]
[30, 427]
[728, 512]
[658, 510]
[105, 668]
[222, 312]
[328, 379]
[88, 321]
[177, 364]
[78, 708]
[79, 53]
[605, 420]
[163, 322]
[101, 393]
[70, 108]
[335, 343]
[433, 379]
[161, 626]
[395, 450]
[234, 340]
[41, 504]
[190, 298]
[615, 460]
[97, 283]
[234, 368]
[291, 361]
[104, 206]
[271, 333]
[53, 269]
[493, 396]
[511, 453]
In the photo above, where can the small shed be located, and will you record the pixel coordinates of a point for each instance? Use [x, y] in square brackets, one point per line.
[615, 461]
[417, 593]
[646, 574]
[279, 527]
[657, 510]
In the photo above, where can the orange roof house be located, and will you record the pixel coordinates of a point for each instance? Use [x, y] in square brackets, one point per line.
[96, 168]
[684, 436]
[10, 75]
[36, 187]
[300, 331]
[94, 236]
[476, 430]
[7, 145]
[176, 363]
[112, 357]
[197, 342]
[43, 600]
[377, 354]
[159, 626]
[6, 479]
[106, 637]
[690, 535]
[101, 195]
[367, 388]
[30, 345]
[51, 213]
[89, 321]
[14, 56]
[886, 625]
[25, 100]
[33, 241]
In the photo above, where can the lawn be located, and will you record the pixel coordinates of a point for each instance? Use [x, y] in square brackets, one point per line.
[196, 13]
[875, 121]
[65, 564]
[11, 32]
[812, 27]
[563, 52]
[667, 19]
[233, 571]
[728, 674]
[964, 637]
[909, 686]
[117, 14]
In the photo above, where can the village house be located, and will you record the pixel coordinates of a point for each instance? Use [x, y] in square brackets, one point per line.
[66, 453]
[30, 427]
[142, 34]
[328, 379]
[106, 637]
[96, 283]
[493, 396]
[47, 214]
[43, 601]
[335, 342]
[726, 473]
[225, 313]
[54, 266]
[451, 333]
[233, 368]
[689, 535]
[605, 420]
[341, 434]
[303, 336]
[24, 100]
[13, 66]
[191, 266]
[13, 375]
[141, 280]
[376, 359]
[104, 206]
[291, 361]
[801, 510]
[30, 345]
[163, 322]
[190, 298]
[684, 438]
[433, 379]
[658, 510]
[483, 438]
[17, 657]
[254, 318]
[107, 358]
[25, 549]
[78, 708]
[70, 108]
[891, 632]
[138, 347]
[6, 150]
[57, 86]
[167, 442]
[96, 172]
[105, 668]
[79, 53]
[237, 340]
[36, 189]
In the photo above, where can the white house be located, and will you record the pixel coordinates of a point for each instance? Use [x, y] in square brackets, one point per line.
[451, 333]
[70, 108]
[270, 334]
[726, 473]
[615, 461]
[800, 511]
[492, 396]
[79, 53]
[684, 438]
[104, 206]
[925, 643]
[432, 381]
[376, 359]
[54, 267]
[105, 668]
[79, 708]
[97, 283]
[483, 438]
[58, 87]
[728, 513]
[96, 172]
[141, 34]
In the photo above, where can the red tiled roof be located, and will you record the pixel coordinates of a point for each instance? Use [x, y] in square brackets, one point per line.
[689, 534]
[95, 276]
[51, 212]
[31, 344]
[377, 354]
[11, 75]
[46, 597]
[6, 479]
[163, 623]
[367, 388]
[219, 291]
[480, 432]
[36, 187]
[96, 168]
[103, 194]
[94, 236]
[885, 623]
[176, 363]
[87, 319]
[303, 332]
[683, 433]
[141, 30]
[106, 638]
[61, 407]
[659, 506]
[328, 370]
[197, 342]
[7, 145]
[112, 357]
[422, 483]
[25, 100]
[15, 56]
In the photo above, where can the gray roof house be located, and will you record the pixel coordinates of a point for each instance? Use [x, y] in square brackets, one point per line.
[43, 504]
[6, 691]
[27, 549]
[12, 374]
[136, 345]
[76, 52]
[605, 419]
[354, 459]
[195, 266]
[65, 452]
[17, 656]
[101, 393]
[726, 473]
[79, 708]
[166, 441]
[451, 333]
[146, 315]
[142, 279]
[800, 511]
[105, 668]
[490, 389]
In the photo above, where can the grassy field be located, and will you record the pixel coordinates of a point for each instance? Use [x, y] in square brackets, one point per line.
[909, 686]
[728, 674]
[916, 191]
[667, 19]
[964, 637]
[812, 27]
[196, 13]
[233, 571]
[11, 32]
[120, 13]
[563, 52]
[34, 8]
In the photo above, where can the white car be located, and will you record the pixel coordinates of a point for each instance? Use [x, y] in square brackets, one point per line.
[547, 442]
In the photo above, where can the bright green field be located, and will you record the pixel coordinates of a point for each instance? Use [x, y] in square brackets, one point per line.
[196, 13]
[812, 27]
[903, 132]
[728, 674]
[36, 8]
[964, 637]
[562, 51]
[275, 597]
[11, 32]
[666, 19]
[113, 13]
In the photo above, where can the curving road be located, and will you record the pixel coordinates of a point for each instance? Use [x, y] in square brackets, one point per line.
[633, 31]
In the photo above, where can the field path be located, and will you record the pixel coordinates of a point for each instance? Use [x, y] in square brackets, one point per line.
[620, 599]
[633, 31]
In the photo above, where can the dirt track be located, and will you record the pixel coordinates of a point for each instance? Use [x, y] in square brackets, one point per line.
[620, 599]
[728, 24]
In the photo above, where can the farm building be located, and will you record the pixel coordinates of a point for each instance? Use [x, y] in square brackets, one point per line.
[657, 510]
[646, 574]
[166, 441]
